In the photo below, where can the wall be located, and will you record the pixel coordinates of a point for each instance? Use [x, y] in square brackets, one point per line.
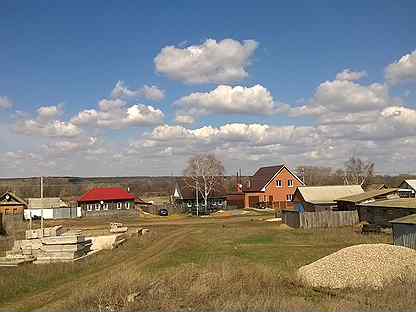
[324, 219]
[382, 215]
[11, 209]
[10, 224]
[112, 208]
[404, 235]
[116, 213]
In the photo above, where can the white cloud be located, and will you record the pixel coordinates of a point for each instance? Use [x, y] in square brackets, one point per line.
[348, 74]
[184, 119]
[153, 93]
[47, 113]
[116, 114]
[46, 124]
[402, 70]
[343, 97]
[53, 128]
[211, 62]
[255, 100]
[5, 102]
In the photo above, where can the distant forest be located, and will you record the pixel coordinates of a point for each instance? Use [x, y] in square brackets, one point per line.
[71, 187]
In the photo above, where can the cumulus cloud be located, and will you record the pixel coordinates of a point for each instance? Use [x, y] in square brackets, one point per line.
[116, 114]
[348, 74]
[402, 70]
[5, 102]
[343, 97]
[255, 100]
[211, 62]
[46, 124]
[153, 93]
[184, 119]
[63, 147]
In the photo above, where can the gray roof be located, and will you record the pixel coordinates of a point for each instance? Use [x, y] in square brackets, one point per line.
[394, 203]
[46, 203]
[327, 194]
[357, 198]
[410, 219]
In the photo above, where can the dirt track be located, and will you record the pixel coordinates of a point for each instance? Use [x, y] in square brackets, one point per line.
[49, 299]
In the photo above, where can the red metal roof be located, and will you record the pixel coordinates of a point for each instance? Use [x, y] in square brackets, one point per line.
[111, 193]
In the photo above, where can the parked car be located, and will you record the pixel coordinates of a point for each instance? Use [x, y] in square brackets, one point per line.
[163, 212]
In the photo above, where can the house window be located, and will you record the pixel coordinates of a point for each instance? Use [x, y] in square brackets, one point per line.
[289, 183]
[289, 197]
[105, 207]
[89, 207]
[127, 205]
[97, 206]
[279, 183]
[119, 205]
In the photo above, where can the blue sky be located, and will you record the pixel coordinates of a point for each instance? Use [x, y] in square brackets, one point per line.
[72, 55]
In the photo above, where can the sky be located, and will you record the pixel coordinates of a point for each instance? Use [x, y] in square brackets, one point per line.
[133, 88]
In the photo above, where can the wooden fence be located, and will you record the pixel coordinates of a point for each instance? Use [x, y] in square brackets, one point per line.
[323, 219]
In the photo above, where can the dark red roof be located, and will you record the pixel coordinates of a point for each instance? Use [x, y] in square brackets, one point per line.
[111, 193]
[262, 177]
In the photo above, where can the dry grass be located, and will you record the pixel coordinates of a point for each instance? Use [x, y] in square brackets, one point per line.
[237, 264]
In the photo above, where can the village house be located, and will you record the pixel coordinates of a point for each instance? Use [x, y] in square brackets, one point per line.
[184, 197]
[272, 187]
[106, 201]
[407, 188]
[321, 198]
[10, 203]
[380, 213]
[404, 231]
[352, 202]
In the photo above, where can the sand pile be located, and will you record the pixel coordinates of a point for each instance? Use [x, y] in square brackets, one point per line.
[366, 265]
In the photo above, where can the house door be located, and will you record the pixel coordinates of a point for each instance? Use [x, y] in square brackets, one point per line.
[253, 201]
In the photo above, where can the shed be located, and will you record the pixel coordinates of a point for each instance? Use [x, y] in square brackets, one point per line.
[404, 231]
[319, 198]
[50, 208]
[381, 212]
[351, 202]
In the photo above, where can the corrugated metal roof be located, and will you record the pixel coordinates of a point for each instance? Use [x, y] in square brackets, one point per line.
[357, 198]
[106, 193]
[46, 203]
[410, 219]
[394, 203]
[327, 194]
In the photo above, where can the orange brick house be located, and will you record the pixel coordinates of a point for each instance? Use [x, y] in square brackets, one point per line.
[272, 187]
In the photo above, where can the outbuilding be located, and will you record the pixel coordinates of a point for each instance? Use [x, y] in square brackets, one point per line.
[351, 202]
[321, 198]
[380, 213]
[50, 208]
[404, 231]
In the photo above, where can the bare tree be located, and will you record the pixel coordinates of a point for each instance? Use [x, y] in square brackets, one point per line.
[358, 171]
[203, 172]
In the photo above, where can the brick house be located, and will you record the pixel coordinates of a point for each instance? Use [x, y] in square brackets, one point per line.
[106, 201]
[272, 187]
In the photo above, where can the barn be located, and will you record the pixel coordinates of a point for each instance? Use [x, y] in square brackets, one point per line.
[380, 213]
[351, 202]
[321, 198]
[404, 231]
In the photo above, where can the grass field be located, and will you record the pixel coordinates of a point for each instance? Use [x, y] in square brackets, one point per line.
[238, 263]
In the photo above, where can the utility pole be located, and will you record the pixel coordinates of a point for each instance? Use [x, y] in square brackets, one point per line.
[41, 187]
[197, 203]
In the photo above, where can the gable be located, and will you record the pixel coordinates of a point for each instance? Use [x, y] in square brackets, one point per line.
[10, 198]
[281, 172]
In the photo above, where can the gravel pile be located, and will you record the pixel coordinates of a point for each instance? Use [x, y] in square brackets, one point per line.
[359, 266]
